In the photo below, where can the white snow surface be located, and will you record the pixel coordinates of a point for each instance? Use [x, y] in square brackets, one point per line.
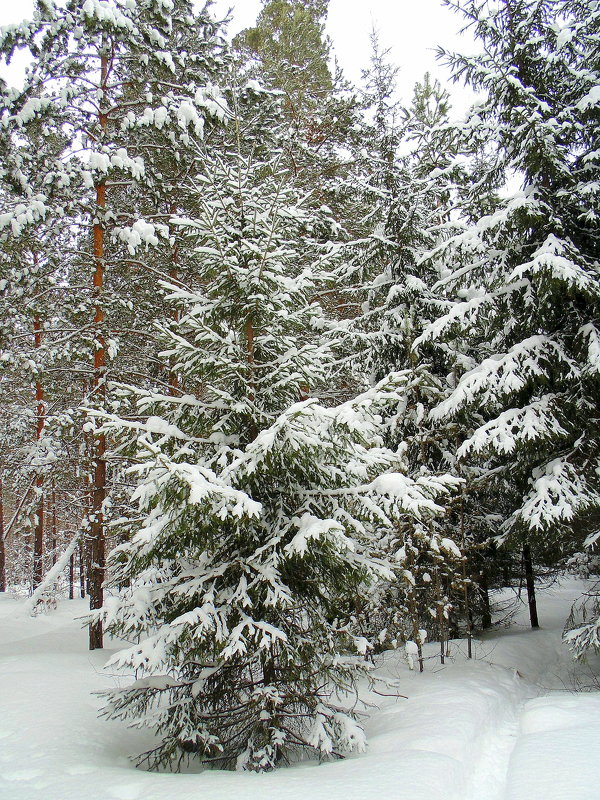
[505, 726]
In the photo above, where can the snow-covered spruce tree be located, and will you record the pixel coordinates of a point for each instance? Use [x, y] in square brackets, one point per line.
[445, 164]
[404, 205]
[525, 275]
[260, 512]
[85, 88]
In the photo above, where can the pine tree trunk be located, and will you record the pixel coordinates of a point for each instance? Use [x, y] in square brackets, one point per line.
[468, 614]
[467, 599]
[411, 598]
[442, 627]
[38, 535]
[96, 537]
[530, 583]
[412, 609]
[2, 549]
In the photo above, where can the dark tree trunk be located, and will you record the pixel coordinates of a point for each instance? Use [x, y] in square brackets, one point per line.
[81, 571]
[249, 330]
[466, 582]
[468, 614]
[72, 577]
[530, 583]
[486, 611]
[411, 601]
[441, 619]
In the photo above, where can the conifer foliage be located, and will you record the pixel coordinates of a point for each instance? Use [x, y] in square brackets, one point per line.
[261, 510]
[525, 276]
[280, 389]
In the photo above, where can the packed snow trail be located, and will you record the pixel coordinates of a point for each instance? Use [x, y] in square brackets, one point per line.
[488, 778]
[522, 759]
[451, 739]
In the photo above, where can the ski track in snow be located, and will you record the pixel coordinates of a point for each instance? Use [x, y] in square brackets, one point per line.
[551, 680]
[488, 778]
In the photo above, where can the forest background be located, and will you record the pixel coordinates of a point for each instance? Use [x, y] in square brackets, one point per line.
[291, 354]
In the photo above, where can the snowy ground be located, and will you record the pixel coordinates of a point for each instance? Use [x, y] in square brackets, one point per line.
[505, 726]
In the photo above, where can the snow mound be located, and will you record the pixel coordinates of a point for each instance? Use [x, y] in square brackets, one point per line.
[557, 755]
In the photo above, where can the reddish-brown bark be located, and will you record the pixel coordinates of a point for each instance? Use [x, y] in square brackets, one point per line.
[96, 527]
